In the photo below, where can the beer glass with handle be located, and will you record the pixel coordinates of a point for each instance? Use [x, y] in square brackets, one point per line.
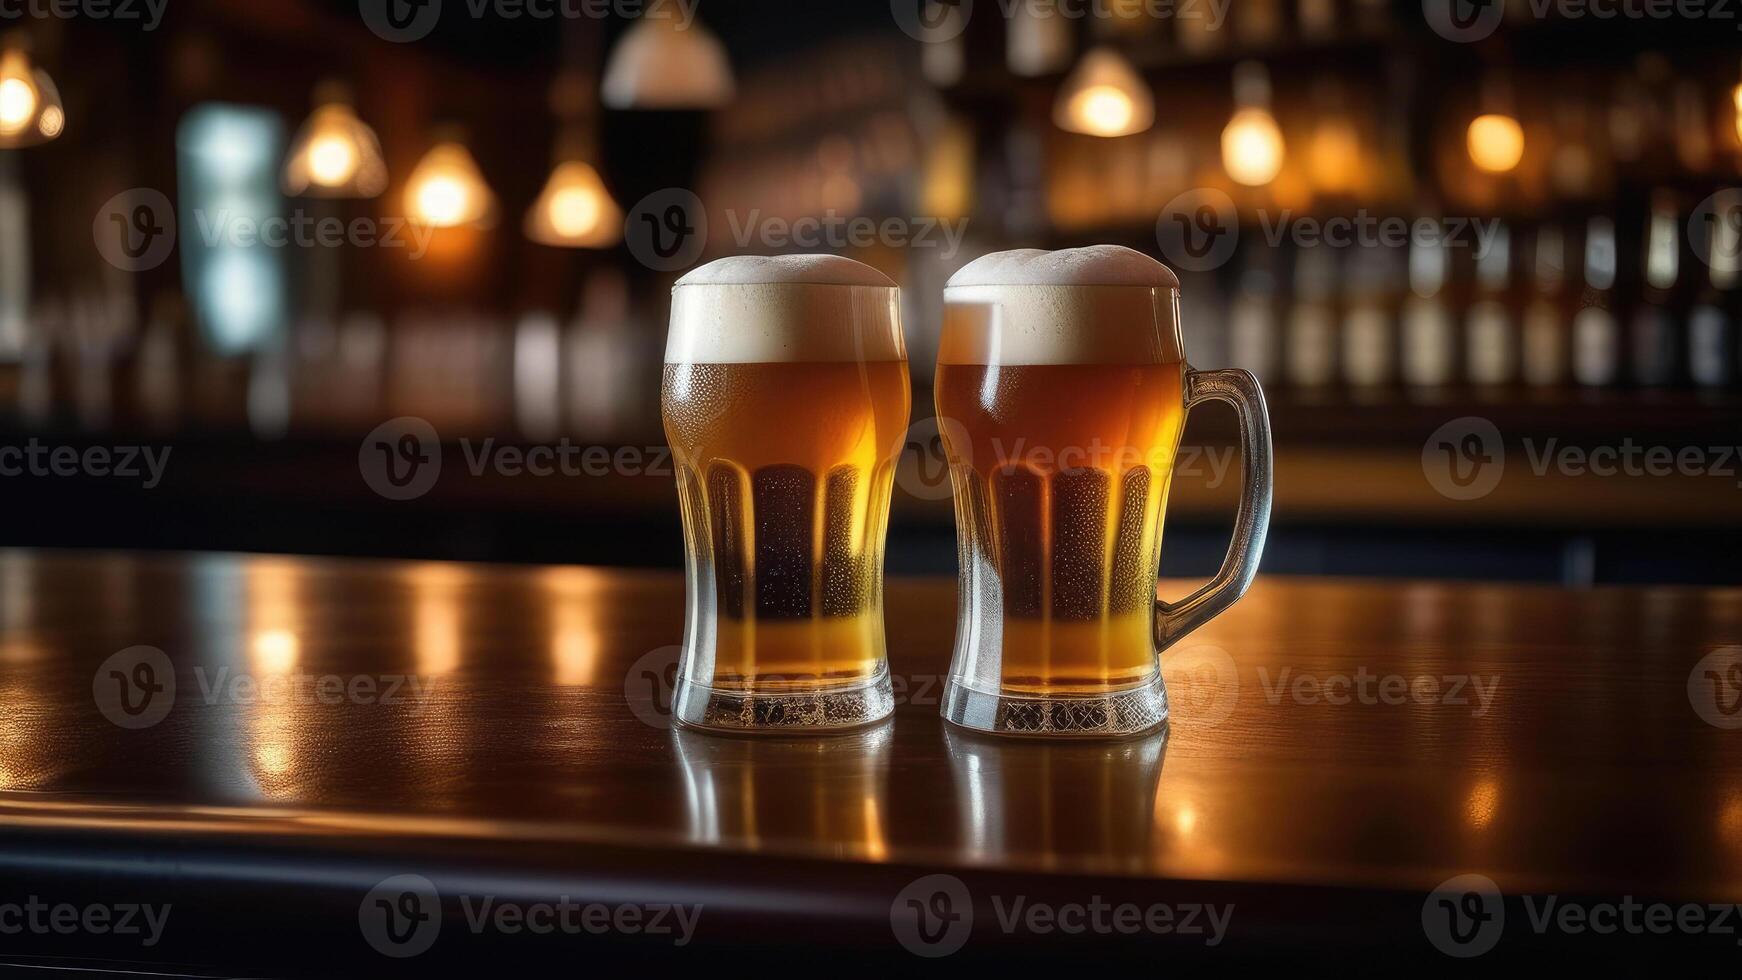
[785, 397]
[1061, 393]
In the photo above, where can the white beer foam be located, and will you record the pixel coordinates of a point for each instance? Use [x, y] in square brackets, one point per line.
[755, 309]
[1104, 304]
[1095, 265]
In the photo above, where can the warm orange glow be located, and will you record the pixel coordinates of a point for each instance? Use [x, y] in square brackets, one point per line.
[52, 122]
[335, 155]
[575, 210]
[1252, 148]
[1104, 96]
[1496, 142]
[1736, 99]
[17, 104]
[30, 108]
[447, 190]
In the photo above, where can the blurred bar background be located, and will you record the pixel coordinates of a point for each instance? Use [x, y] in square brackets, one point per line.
[1581, 173]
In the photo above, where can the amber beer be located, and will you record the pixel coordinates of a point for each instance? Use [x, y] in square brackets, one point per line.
[1061, 392]
[785, 398]
[1060, 494]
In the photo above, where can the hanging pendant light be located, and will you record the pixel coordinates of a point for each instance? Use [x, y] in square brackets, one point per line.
[1104, 96]
[446, 189]
[30, 106]
[1494, 139]
[574, 210]
[1252, 148]
[661, 64]
[335, 154]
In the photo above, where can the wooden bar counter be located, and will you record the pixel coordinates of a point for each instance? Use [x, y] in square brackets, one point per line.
[335, 767]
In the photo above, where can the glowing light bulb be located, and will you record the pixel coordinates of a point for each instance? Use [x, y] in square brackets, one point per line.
[30, 107]
[1105, 109]
[1736, 97]
[334, 154]
[575, 210]
[331, 161]
[1495, 142]
[1252, 147]
[442, 202]
[1104, 96]
[446, 190]
[17, 105]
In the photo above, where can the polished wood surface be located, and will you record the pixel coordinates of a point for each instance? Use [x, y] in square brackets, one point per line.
[1340, 738]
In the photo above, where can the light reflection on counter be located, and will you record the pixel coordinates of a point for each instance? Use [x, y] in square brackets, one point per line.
[576, 634]
[1022, 798]
[273, 591]
[760, 793]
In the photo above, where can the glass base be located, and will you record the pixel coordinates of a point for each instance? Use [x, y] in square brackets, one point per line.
[1118, 714]
[830, 709]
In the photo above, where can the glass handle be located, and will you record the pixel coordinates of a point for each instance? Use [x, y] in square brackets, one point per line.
[1239, 389]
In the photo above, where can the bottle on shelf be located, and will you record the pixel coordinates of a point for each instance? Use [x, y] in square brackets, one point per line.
[1491, 338]
[1653, 357]
[1369, 347]
[1312, 320]
[1254, 337]
[1712, 341]
[1544, 328]
[1596, 334]
[1429, 335]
